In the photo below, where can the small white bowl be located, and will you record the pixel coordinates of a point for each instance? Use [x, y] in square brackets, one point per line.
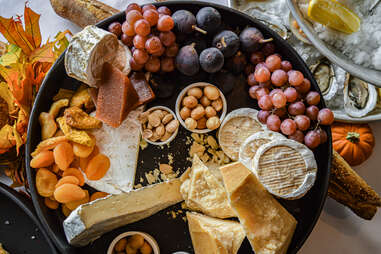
[180, 99]
[173, 135]
[147, 237]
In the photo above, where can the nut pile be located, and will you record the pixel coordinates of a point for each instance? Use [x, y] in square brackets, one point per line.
[200, 108]
[133, 244]
[158, 125]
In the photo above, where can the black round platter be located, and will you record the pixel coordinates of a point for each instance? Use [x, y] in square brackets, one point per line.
[172, 233]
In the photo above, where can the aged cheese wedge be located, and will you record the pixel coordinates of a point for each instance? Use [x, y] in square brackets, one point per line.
[121, 145]
[268, 225]
[214, 236]
[88, 50]
[249, 148]
[286, 168]
[203, 192]
[237, 126]
[89, 221]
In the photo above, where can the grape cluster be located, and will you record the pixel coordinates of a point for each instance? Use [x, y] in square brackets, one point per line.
[147, 31]
[285, 98]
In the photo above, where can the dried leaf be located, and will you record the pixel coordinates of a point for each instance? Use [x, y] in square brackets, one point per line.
[12, 56]
[6, 138]
[17, 137]
[32, 28]
[13, 31]
[7, 96]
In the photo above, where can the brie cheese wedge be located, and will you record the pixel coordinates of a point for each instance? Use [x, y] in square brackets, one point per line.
[214, 236]
[89, 221]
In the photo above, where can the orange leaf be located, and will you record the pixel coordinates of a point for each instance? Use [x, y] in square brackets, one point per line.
[43, 54]
[32, 28]
[14, 32]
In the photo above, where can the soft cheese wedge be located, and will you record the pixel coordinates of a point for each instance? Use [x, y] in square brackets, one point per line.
[203, 192]
[91, 220]
[268, 225]
[214, 236]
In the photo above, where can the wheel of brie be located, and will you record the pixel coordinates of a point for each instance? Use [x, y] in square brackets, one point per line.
[251, 145]
[237, 126]
[286, 168]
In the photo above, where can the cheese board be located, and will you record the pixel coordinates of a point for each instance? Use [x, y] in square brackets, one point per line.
[91, 227]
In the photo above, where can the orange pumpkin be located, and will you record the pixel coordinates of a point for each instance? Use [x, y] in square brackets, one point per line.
[354, 142]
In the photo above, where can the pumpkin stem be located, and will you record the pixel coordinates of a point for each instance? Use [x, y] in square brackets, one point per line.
[354, 137]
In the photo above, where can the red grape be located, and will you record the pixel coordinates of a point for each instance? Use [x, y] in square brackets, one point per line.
[273, 123]
[297, 136]
[312, 112]
[142, 27]
[172, 50]
[288, 127]
[266, 84]
[279, 100]
[165, 23]
[268, 48]
[251, 80]
[295, 78]
[323, 135]
[257, 57]
[135, 66]
[133, 16]
[152, 16]
[281, 112]
[164, 10]
[273, 62]
[325, 116]
[115, 28]
[153, 45]
[286, 66]
[262, 74]
[133, 6]
[312, 139]
[304, 87]
[265, 103]
[313, 98]
[128, 29]
[167, 38]
[148, 7]
[262, 116]
[252, 91]
[261, 64]
[291, 94]
[160, 52]
[127, 40]
[279, 77]
[261, 92]
[274, 91]
[296, 108]
[153, 64]
[139, 41]
[167, 64]
[303, 122]
[140, 56]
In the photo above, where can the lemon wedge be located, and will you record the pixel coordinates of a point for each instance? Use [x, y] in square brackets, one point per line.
[334, 15]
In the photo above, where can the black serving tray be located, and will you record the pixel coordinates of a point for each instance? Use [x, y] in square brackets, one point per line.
[172, 234]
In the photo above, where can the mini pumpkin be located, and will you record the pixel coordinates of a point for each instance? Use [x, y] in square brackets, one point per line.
[354, 142]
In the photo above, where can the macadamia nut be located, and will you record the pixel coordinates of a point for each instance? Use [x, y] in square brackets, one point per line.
[190, 123]
[196, 92]
[213, 123]
[211, 93]
[190, 101]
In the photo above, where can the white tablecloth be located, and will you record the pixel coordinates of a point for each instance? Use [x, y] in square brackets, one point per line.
[338, 229]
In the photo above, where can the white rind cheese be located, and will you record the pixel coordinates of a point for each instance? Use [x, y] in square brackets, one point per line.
[86, 53]
[121, 145]
[89, 221]
[236, 127]
[286, 168]
[122, 59]
[214, 236]
[249, 148]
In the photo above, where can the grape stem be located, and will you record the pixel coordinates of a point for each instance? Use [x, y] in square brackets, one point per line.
[194, 27]
[266, 40]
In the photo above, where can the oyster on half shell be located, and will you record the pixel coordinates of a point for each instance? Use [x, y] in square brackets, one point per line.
[325, 77]
[360, 98]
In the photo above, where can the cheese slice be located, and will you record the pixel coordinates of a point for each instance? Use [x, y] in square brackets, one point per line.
[203, 192]
[89, 221]
[286, 168]
[121, 145]
[214, 236]
[268, 225]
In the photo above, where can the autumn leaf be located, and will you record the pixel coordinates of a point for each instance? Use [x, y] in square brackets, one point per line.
[12, 56]
[6, 138]
[6, 95]
[32, 27]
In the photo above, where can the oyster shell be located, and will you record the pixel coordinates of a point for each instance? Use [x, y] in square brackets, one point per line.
[325, 77]
[360, 98]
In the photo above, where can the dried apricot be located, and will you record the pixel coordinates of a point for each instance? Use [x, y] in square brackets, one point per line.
[45, 182]
[68, 193]
[42, 160]
[75, 172]
[67, 179]
[97, 167]
[121, 245]
[63, 155]
[55, 168]
[59, 133]
[98, 194]
[82, 151]
[84, 161]
[66, 211]
[75, 163]
[75, 204]
[52, 204]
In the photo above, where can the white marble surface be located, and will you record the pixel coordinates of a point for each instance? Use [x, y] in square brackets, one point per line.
[338, 229]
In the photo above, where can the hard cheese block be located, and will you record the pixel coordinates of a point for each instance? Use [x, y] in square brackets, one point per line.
[214, 236]
[203, 192]
[90, 221]
[268, 225]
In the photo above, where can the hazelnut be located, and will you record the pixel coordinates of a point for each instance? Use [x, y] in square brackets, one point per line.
[198, 112]
[185, 113]
[205, 101]
[190, 101]
[190, 123]
[154, 119]
[211, 93]
[167, 118]
[210, 111]
[213, 123]
[196, 92]
[172, 126]
[201, 123]
[217, 104]
[160, 130]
